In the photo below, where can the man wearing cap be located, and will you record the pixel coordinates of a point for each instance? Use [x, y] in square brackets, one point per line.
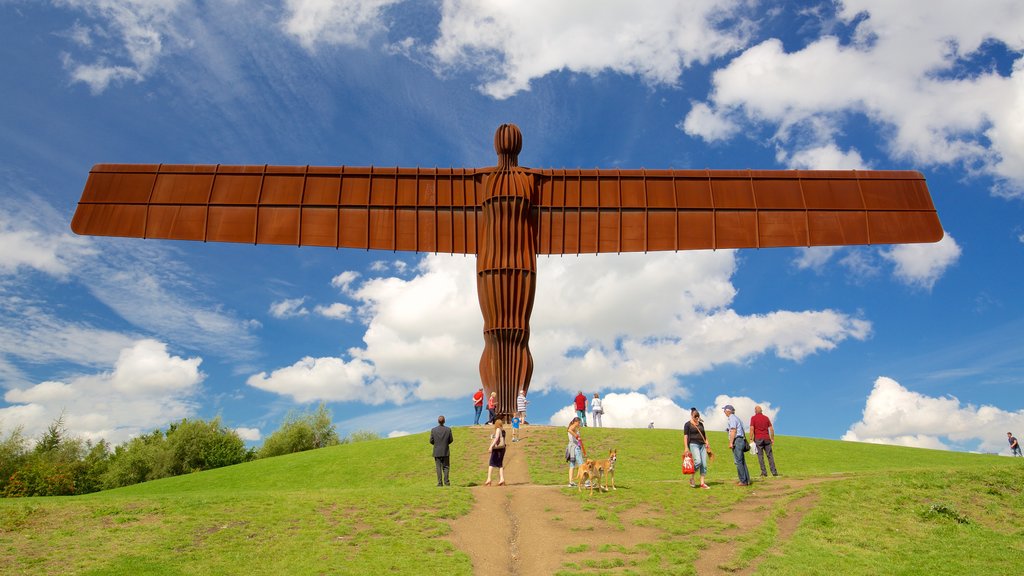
[737, 442]
[764, 436]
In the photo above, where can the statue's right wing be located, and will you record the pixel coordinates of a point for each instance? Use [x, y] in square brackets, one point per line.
[408, 209]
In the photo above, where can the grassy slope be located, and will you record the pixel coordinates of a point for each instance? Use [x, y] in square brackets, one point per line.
[372, 508]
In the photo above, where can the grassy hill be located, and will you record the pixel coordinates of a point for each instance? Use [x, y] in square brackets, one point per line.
[372, 508]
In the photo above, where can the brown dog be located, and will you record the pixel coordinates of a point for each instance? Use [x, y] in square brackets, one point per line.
[586, 473]
[604, 468]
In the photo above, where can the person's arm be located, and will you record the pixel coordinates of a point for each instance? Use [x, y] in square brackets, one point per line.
[732, 437]
[771, 434]
[431, 436]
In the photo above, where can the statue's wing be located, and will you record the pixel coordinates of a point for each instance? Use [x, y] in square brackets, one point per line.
[589, 211]
[413, 209]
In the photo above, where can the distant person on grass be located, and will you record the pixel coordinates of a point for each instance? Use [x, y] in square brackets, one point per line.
[521, 403]
[497, 450]
[492, 405]
[478, 406]
[574, 451]
[581, 407]
[738, 444]
[515, 427]
[1014, 446]
[764, 437]
[597, 409]
[441, 438]
[697, 447]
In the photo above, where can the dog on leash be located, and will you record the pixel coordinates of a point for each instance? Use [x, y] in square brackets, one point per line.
[586, 473]
[606, 468]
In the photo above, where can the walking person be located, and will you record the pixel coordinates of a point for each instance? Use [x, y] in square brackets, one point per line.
[597, 409]
[497, 450]
[738, 444]
[515, 427]
[574, 451]
[697, 447]
[441, 438]
[764, 438]
[478, 406]
[521, 403]
[492, 405]
[581, 407]
[1014, 446]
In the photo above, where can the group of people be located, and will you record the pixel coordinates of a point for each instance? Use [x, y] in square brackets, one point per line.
[596, 408]
[492, 407]
[441, 438]
[698, 449]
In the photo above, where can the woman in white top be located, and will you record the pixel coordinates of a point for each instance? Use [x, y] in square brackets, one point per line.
[595, 406]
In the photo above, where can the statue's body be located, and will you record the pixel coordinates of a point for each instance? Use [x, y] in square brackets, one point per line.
[506, 215]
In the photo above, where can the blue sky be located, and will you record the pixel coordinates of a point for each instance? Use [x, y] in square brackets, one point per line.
[917, 345]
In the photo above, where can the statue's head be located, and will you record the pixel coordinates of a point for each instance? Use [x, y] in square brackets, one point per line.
[508, 142]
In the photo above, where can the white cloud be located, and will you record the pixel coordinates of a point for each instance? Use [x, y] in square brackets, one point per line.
[930, 111]
[824, 157]
[344, 280]
[30, 240]
[514, 43]
[814, 258]
[135, 31]
[895, 415]
[921, 265]
[344, 22]
[249, 434]
[636, 410]
[147, 389]
[337, 311]
[648, 319]
[398, 433]
[288, 308]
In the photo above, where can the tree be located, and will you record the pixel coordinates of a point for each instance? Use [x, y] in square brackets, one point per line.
[300, 432]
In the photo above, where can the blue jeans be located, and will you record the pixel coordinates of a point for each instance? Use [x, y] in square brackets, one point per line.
[582, 415]
[741, 462]
[479, 409]
[699, 453]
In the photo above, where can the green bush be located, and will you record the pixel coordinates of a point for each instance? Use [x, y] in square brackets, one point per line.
[201, 445]
[300, 432]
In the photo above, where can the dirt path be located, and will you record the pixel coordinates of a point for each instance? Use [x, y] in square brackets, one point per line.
[492, 533]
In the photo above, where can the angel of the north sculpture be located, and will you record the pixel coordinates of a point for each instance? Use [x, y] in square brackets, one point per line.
[506, 215]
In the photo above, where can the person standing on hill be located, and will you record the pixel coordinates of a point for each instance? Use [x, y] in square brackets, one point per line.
[441, 437]
[581, 407]
[478, 406]
[1014, 446]
[497, 450]
[737, 443]
[492, 405]
[697, 447]
[574, 451]
[597, 409]
[521, 403]
[764, 437]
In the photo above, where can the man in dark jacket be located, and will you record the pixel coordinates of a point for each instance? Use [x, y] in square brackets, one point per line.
[441, 437]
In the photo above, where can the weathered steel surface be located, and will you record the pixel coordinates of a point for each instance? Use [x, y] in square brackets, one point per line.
[506, 215]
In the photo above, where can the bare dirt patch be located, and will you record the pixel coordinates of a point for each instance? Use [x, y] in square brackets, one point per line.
[523, 528]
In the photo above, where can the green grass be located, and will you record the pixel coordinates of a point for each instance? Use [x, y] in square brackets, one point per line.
[372, 508]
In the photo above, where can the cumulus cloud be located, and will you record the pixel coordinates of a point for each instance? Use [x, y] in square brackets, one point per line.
[344, 280]
[249, 434]
[130, 35]
[337, 311]
[342, 22]
[895, 415]
[931, 111]
[146, 388]
[288, 308]
[649, 320]
[637, 410]
[921, 265]
[514, 43]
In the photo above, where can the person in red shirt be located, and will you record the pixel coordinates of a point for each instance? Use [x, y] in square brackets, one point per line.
[764, 436]
[478, 405]
[581, 408]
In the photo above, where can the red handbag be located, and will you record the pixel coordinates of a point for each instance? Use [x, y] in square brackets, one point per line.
[688, 467]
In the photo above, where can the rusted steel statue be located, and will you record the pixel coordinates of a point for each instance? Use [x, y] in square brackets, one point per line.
[506, 215]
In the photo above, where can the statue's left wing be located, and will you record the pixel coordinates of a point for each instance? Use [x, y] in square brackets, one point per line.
[592, 211]
[399, 209]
